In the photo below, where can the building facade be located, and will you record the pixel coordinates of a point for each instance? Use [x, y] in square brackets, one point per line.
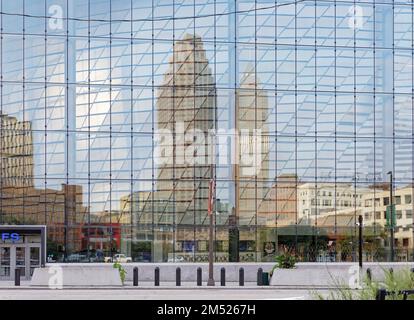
[115, 115]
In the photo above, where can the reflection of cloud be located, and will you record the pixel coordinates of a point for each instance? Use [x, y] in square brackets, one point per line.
[100, 108]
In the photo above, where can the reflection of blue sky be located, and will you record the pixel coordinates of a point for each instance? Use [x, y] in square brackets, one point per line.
[289, 69]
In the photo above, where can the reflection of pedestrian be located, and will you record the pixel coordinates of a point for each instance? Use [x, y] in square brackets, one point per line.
[99, 255]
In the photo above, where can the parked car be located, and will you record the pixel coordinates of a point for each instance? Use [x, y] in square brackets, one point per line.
[121, 258]
[77, 257]
[177, 259]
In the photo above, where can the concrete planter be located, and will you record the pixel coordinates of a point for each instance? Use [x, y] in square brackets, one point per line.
[76, 276]
[331, 275]
[312, 276]
[281, 275]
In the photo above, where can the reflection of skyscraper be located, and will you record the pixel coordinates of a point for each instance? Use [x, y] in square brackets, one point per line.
[16, 152]
[186, 102]
[251, 114]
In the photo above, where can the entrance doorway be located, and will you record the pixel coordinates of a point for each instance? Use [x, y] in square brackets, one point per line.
[21, 248]
[25, 257]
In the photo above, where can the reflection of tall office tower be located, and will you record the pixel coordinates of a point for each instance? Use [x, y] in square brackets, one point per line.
[16, 151]
[251, 114]
[185, 103]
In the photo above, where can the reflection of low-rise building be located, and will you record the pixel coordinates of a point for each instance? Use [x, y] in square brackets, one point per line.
[375, 213]
[315, 200]
[340, 222]
[55, 208]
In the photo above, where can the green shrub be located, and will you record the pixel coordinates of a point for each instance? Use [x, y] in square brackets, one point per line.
[393, 282]
[122, 271]
[284, 261]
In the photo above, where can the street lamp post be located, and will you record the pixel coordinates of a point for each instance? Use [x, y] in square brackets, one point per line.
[210, 281]
[361, 240]
[391, 218]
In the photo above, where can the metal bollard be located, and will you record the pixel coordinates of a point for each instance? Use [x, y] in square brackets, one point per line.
[241, 277]
[223, 277]
[135, 277]
[199, 276]
[17, 277]
[178, 276]
[369, 274]
[381, 294]
[157, 277]
[260, 277]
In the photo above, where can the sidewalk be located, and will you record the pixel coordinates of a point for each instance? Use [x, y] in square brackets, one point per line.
[141, 285]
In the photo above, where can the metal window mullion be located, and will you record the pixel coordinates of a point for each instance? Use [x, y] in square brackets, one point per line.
[89, 124]
[215, 117]
[354, 136]
[1, 103]
[296, 117]
[412, 122]
[174, 231]
[152, 131]
[45, 114]
[195, 122]
[110, 126]
[335, 123]
[375, 123]
[132, 228]
[276, 129]
[25, 177]
[316, 125]
[255, 126]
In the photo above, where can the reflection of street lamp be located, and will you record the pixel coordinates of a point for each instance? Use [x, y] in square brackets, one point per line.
[391, 219]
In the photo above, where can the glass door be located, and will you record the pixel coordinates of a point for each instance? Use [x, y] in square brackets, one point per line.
[4, 263]
[34, 259]
[21, 260]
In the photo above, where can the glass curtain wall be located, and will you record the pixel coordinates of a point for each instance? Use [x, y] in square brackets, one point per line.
[116, 114]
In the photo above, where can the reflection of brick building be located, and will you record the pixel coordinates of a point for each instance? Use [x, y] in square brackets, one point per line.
[23, 203]
[55, 208]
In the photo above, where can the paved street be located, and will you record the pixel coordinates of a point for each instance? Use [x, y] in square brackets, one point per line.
[151, 293]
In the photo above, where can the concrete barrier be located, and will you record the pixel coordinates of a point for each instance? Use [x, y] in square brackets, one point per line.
[73, 275]
[332, 275]
[307, 274]
[189, 271]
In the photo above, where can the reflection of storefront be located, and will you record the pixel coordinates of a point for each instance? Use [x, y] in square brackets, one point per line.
[23, 248]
